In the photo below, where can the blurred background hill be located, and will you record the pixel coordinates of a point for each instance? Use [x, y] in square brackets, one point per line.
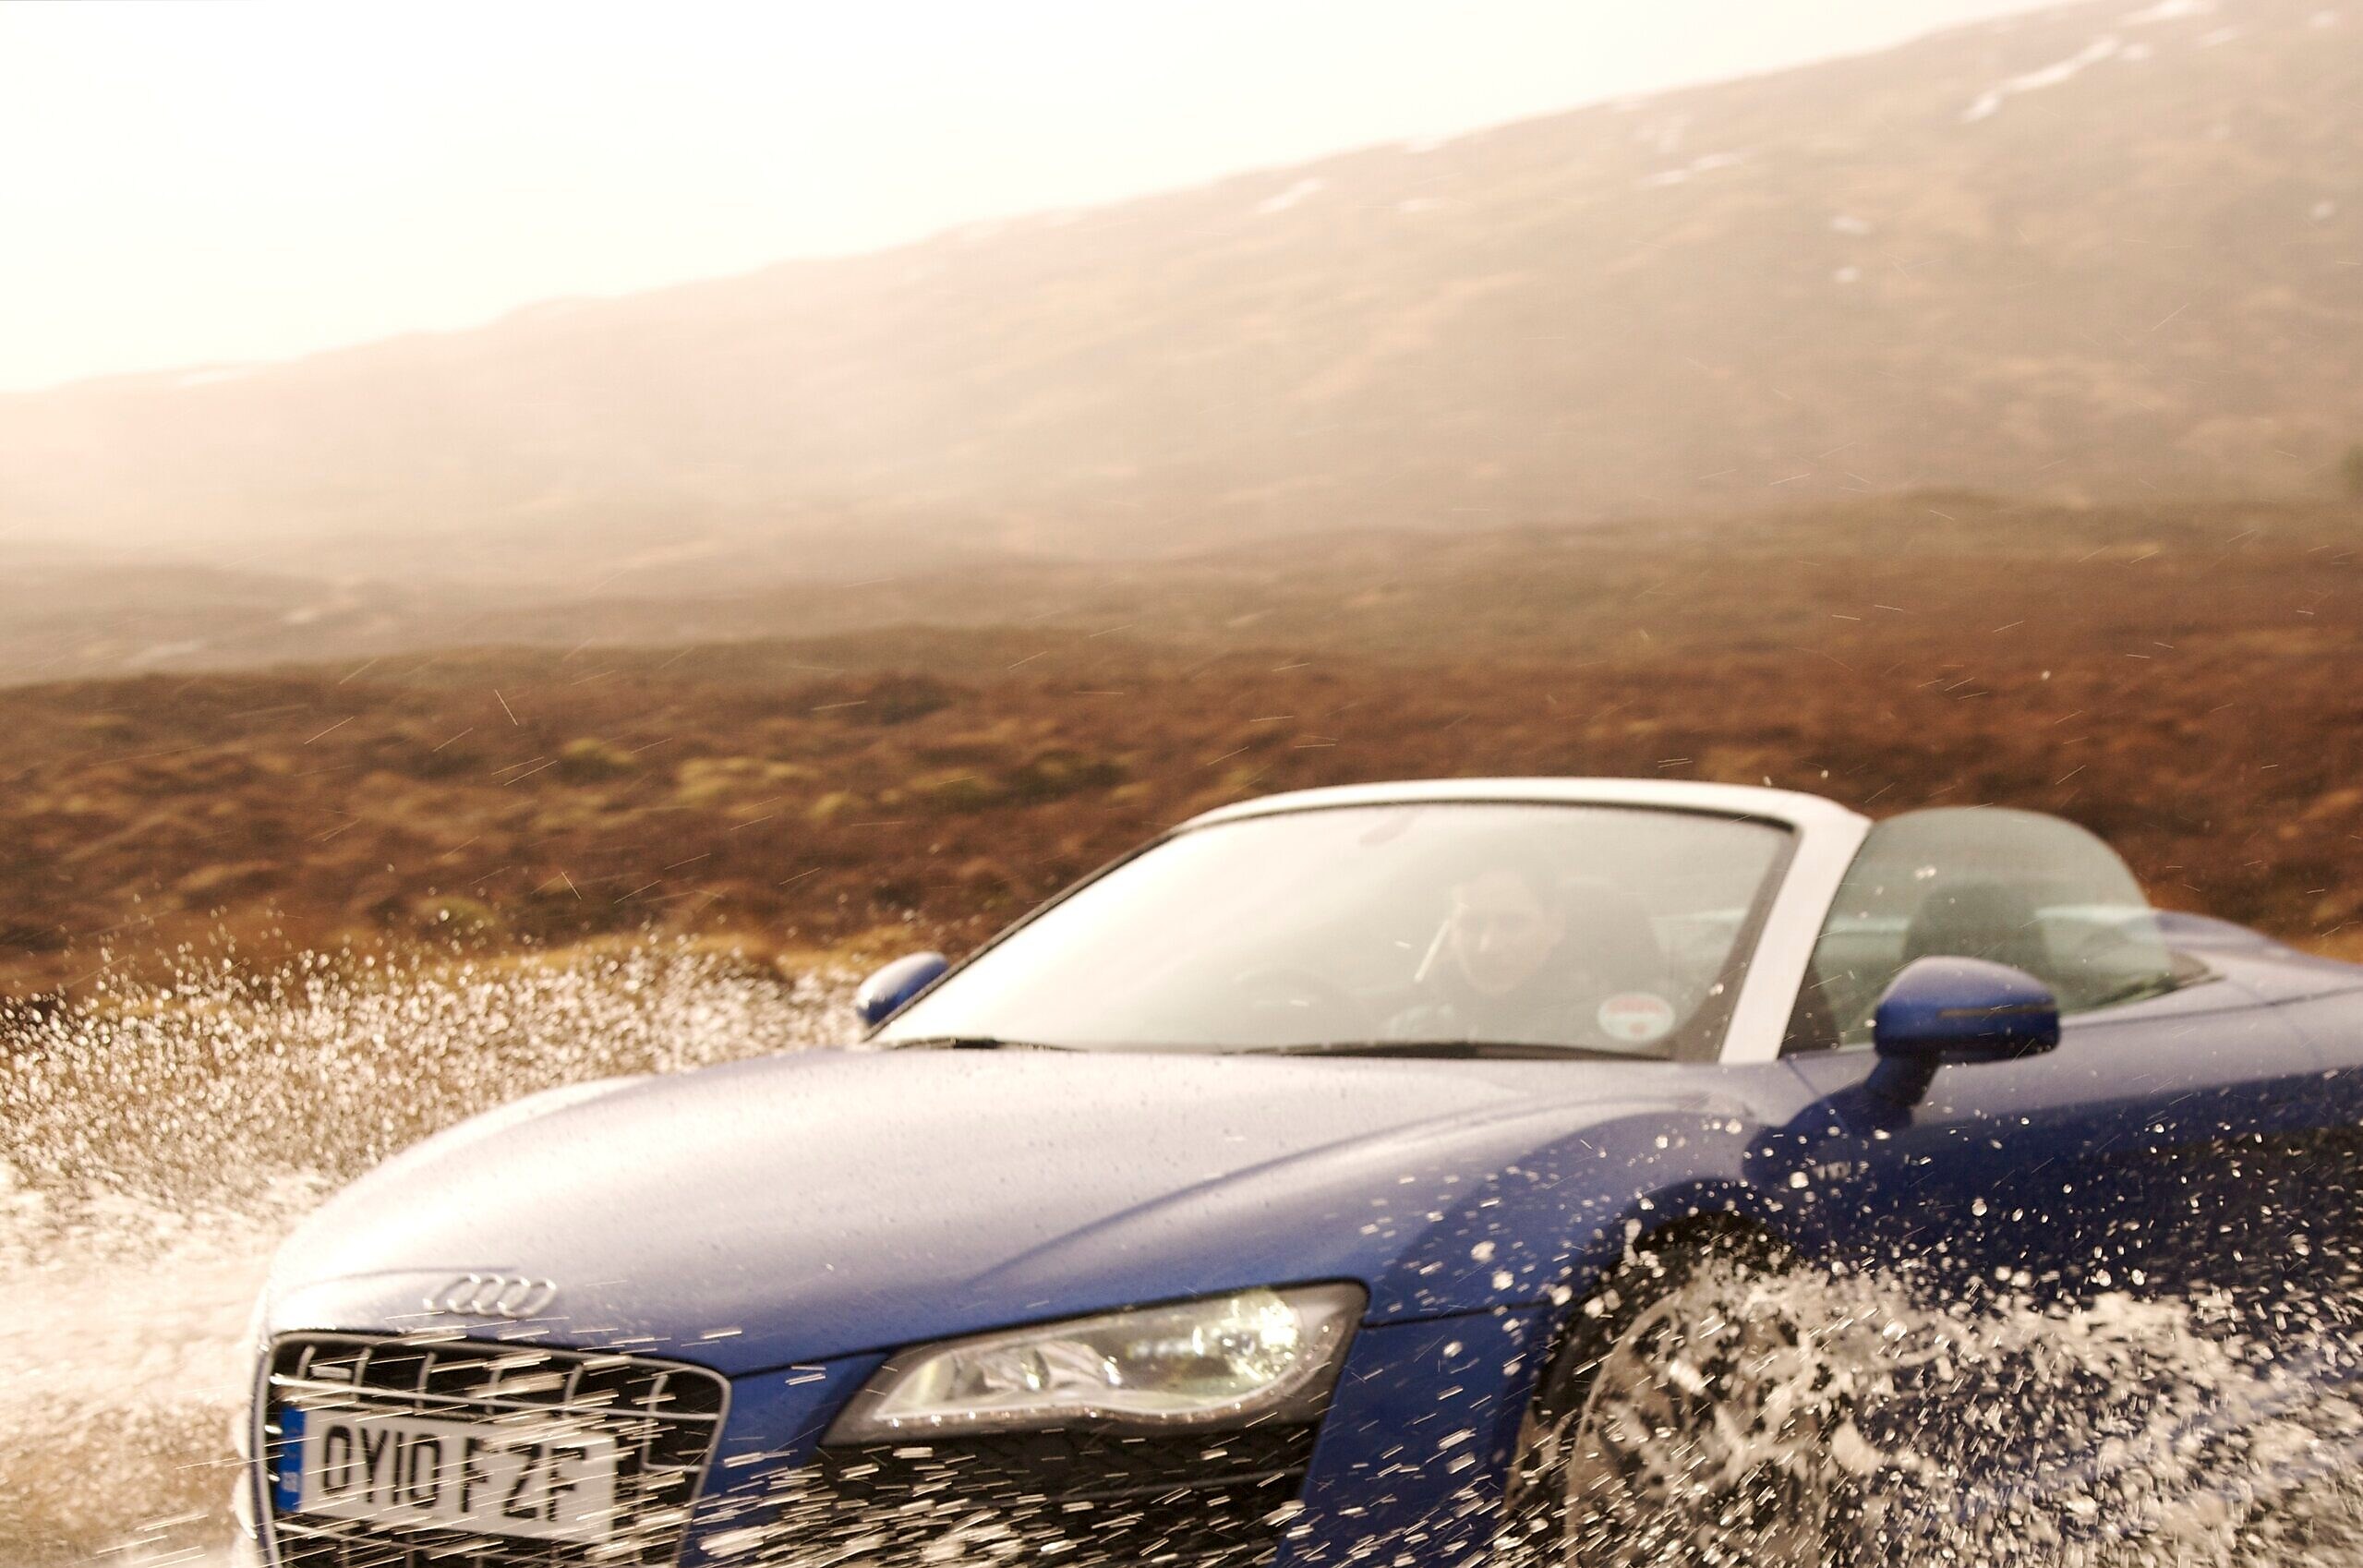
[2104, 252]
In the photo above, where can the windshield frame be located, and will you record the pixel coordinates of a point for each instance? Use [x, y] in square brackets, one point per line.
[1710, 1033]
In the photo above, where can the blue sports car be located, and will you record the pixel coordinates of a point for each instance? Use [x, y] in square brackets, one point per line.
[1363, 1175]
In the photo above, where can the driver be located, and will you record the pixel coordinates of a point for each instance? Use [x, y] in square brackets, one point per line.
[1499, 969]
[1521, 959]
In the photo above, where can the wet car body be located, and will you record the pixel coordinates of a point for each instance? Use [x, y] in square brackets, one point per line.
[775, 1231]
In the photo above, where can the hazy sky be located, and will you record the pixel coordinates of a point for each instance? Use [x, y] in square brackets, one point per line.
[185, 184]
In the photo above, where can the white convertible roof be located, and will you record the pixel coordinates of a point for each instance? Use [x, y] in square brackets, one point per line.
[1722, 799]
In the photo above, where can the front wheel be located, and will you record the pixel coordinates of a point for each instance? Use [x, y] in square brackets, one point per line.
[1689, 1417]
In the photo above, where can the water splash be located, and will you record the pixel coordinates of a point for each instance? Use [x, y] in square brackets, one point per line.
[160, 1139]
[2117, 1432]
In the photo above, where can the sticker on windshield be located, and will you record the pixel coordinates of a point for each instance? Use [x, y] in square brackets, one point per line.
[1636, 1017]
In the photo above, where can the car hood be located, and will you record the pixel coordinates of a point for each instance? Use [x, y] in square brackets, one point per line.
[814, 1205]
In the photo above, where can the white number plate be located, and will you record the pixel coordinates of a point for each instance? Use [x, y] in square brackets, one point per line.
[544, 1483]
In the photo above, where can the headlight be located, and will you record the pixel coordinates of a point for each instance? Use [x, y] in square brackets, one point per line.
[1256, 1355]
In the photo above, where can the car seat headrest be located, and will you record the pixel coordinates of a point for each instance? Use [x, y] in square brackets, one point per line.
[1976, 918]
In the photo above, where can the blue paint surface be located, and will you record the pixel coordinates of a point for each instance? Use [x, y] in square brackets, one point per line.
[790, 1220]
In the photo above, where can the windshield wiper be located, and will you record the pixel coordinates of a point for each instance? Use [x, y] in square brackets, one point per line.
[1464, 1050]
[967, 1043]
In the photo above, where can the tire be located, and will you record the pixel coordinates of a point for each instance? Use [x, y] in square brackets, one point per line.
[1685, 1420]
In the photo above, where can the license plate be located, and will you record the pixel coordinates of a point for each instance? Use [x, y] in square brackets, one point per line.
[542, 1482]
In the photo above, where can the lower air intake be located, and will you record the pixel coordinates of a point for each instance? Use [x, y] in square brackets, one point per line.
[1093, 1500]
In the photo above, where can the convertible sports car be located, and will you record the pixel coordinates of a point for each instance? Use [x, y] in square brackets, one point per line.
[1341, 1177]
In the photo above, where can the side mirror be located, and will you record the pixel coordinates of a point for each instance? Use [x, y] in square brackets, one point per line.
[1947, 1009]
[891, 989]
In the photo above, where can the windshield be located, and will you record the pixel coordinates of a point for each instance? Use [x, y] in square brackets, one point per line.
[1592, 929]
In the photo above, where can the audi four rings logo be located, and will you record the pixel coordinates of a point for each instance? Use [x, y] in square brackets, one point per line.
[494, 1296]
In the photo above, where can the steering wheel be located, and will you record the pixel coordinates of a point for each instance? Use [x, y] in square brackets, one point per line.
[1282, 994]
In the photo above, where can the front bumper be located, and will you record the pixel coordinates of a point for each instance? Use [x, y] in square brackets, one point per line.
[1406, 1466]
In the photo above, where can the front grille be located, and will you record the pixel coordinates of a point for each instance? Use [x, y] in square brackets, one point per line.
[664, 1418]
[1205, 1501]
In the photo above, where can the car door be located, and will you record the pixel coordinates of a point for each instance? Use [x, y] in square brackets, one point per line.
[2107, 1219]
[2158, 1150]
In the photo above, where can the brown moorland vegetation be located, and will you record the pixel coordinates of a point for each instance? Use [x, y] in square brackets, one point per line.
[2184, 680]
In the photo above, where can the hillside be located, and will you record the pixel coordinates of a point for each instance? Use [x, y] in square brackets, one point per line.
[2179, 681]
[2102, 251]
